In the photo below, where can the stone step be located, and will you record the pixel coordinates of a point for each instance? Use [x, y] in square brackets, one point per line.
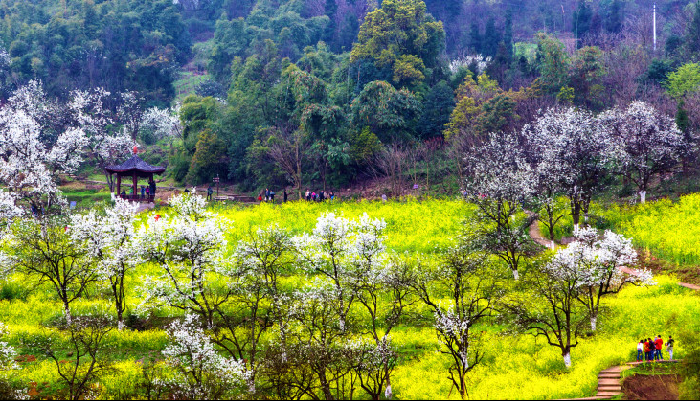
[609, 376]
[609, 394]
[606, 382]
[605, 389]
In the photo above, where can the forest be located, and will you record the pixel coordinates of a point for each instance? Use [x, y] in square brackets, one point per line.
[321, 93]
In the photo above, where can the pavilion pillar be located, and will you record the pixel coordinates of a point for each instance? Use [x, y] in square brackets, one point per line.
[135, 181]
[119, 184]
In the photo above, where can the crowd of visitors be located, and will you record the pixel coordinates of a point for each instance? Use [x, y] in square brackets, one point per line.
[318, 197]
[311, 196]
[652, 349]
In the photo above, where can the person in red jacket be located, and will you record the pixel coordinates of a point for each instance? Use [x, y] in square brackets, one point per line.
[647, 350]
[659, 345]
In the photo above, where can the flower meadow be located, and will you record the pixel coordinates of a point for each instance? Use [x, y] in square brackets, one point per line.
[514, 365]
[669, 230]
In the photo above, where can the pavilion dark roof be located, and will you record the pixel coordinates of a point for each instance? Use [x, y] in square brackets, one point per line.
[135, 164]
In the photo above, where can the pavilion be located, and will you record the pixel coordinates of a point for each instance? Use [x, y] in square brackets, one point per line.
[134, 168]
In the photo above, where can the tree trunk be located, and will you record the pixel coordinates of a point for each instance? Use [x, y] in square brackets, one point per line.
[110, 181]
[516, 276]
[66, 311]
[594, 322]
[642, 196]
[388, 394]
[567, 358]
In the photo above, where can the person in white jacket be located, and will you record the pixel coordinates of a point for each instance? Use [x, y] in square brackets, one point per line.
[640, 351]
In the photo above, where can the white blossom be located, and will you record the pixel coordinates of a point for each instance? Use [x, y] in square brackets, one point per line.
[645, 142]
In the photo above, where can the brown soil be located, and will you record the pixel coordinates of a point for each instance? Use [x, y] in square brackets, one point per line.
[648, 387]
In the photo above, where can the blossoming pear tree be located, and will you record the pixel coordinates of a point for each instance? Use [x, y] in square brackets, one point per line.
[645, 142]
[574, 152]
[107, 240]
[601, 265]
[200, 371]
[500, 182]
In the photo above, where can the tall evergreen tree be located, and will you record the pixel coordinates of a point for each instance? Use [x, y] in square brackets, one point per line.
[582, 19]
[329, 34]
[692, 38]
[613, 20]
[491, 38]
[475, 41]
[508, 35]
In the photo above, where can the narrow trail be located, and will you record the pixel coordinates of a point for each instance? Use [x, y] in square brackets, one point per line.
[610, 380]
[536, 236]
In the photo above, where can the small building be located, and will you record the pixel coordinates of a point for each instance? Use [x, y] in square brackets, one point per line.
[133, 169]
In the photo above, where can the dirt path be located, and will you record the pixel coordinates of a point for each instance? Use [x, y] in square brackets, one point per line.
[535, 233]
[536, 236]
[691, 286]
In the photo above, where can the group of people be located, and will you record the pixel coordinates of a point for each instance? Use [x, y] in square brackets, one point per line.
[652, 349]
[269, 196]
[318, 197]
[311, 196]
[147, 192]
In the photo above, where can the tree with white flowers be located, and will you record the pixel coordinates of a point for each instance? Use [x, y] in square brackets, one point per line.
[105, 146]
[573, 151]
[645, 142]
[44, 251]
[341, 250]
[162, 123]
[383, 286]
[31, 155]
[603, 266]
[546, 304]
[7, 352]
[461, 293]
[319, 355]
[200, 372]
[107, 240]
[500, 182]
[258, 300]
[188, 246]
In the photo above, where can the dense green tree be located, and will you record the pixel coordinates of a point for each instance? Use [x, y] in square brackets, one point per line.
[400, 36]
[582, 19]
[553, 62]
[614, 17]
[388, 112]
[474, 41]
[684, 80]
[692, 37]
[658, 70]
[491, 38]
[436, 109]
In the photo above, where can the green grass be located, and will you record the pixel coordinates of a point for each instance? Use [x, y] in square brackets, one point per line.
[186, 83]
[514, 367]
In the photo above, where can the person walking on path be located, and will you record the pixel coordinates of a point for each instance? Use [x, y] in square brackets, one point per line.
[669, 347]
[307, 195]
[284, 195]
[659, 346]
[143, 191]
[210, 192]
[384, 198]
[640, 350]
[272, 197]
[652, 349]
[332, 196]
